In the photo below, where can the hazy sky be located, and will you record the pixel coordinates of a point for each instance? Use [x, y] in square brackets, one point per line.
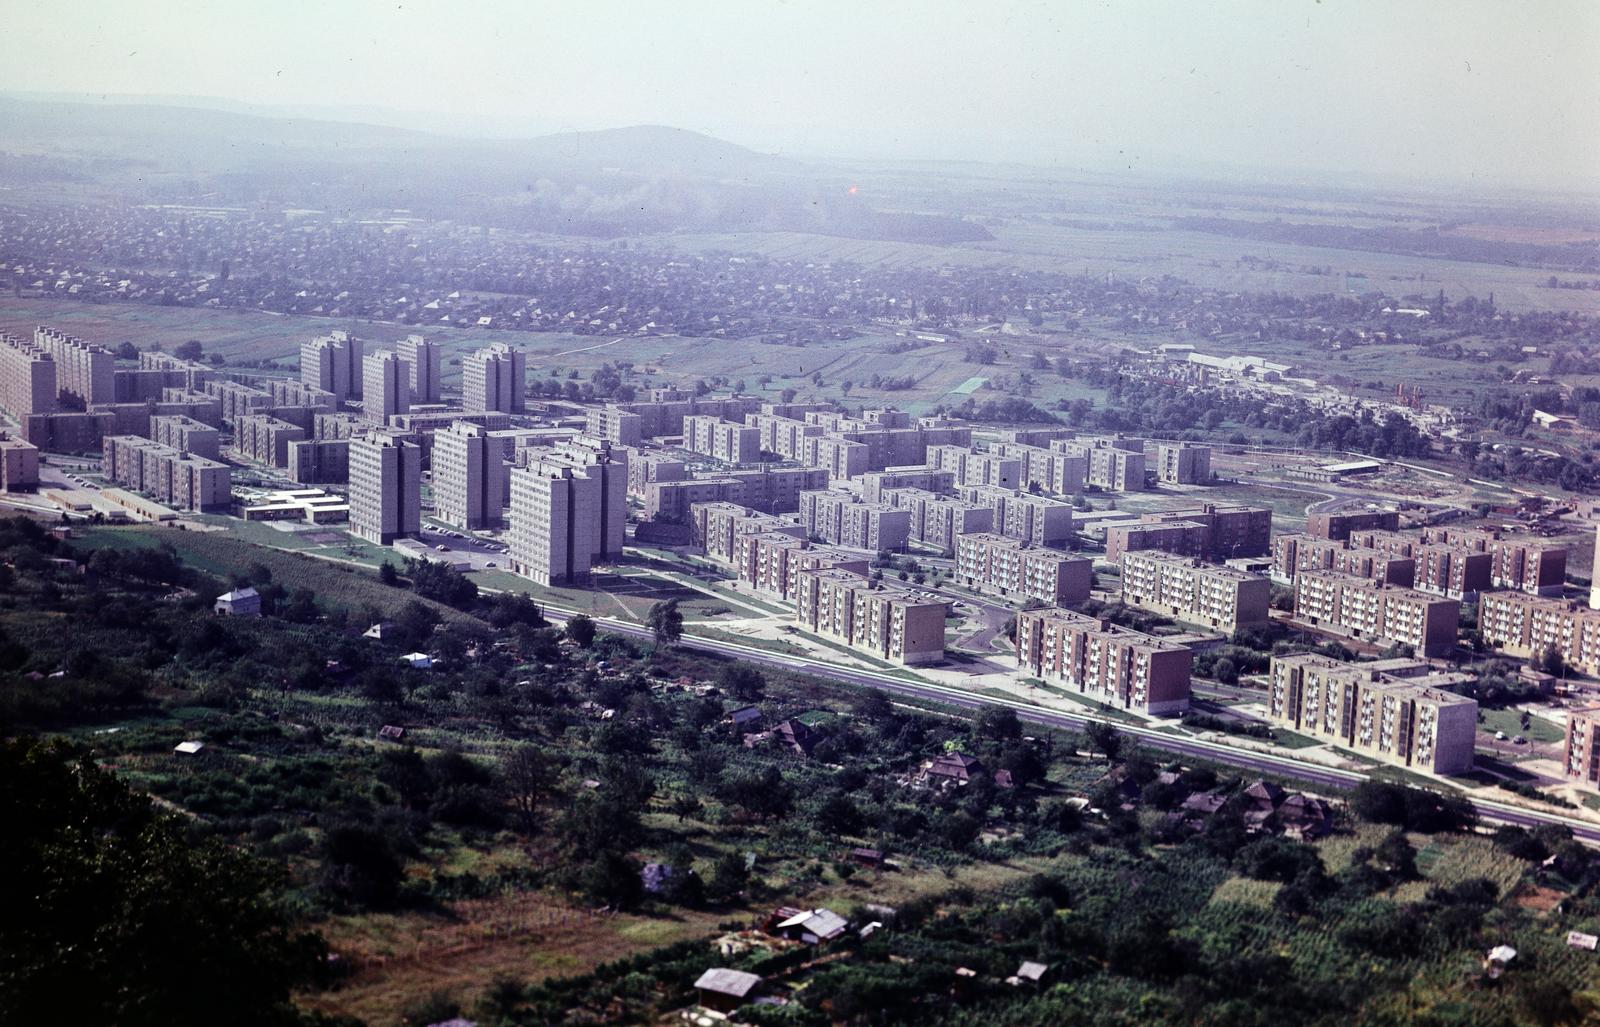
[1499, 92]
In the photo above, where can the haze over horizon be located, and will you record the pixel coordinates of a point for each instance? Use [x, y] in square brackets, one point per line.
[1476, 92]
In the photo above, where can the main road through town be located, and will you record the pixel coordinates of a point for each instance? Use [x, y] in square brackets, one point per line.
[1261, 762]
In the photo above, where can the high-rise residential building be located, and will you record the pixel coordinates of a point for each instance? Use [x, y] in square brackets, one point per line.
[1397, 718]
[85, 372]
[332, 363]
[422, 366]
[1007, 567]
[615, 425]
[900, 625]
[495, 378]
[468, 477]
[769, 489]
[1375, 612]
[27, 378]
[1104, 661]
[385, 487]
[568, 512]
[875, 483]
[1293, 553]
[1197, 593]
[169, 475]
[265, 439]
[1526, 565]
[1182, 464]
[1047, 470]
[320, 461]
[386, 386]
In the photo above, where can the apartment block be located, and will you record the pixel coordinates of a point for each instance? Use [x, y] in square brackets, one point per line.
[27, 378]
[899, 625]
[772, 560]
[781, 434]
[1529, 626]
[568, 512]
[422, 360]
[1181, 464]
[385, 386]
[1339, 525]
[469, 477]
[769, 489]
[1294, 553]
[1115, 465]
[332, 363]
[385, 487]
[939, 520]
[972, 468]
[844, 520]
[84, 371]
[875, 483]
[187, 434]
[288, 392]
[717, 527]
[19, 464]
[1583, 746]
[168, 475]
[995, 565]
[237, 400]
[1373, 612]
[1210, 532]
[1109, 663]
[722, 440]
[181, 374]
[1523, 565]
[320, 461]
[265, 439]
[617, 426]
[1397, 719]
[1048, 470]
[193, 404]
[663, 413]
[1178, 586]
[495, 378]
[1453, 571]
[645, 467]
[1041, 520]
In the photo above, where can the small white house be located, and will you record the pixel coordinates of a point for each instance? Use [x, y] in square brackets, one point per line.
[417, 661]
[188, 748]
[241, 602]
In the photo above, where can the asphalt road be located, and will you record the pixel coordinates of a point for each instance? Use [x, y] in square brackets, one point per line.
[1299, 770]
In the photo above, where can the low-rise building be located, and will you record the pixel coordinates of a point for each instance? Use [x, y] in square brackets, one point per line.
[1374, 612]
[996, 565]
[1115, 665]
[1398, 718]
[1197, 593]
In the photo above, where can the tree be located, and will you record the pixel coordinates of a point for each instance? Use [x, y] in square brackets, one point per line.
[529, 777]
[190, 350]
[999, 724]
[388, 575]
[111, 907]
[1104, 737]
[127, 351]
[742, 681]
[666, 622]
[728, 878]
[580, 628]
